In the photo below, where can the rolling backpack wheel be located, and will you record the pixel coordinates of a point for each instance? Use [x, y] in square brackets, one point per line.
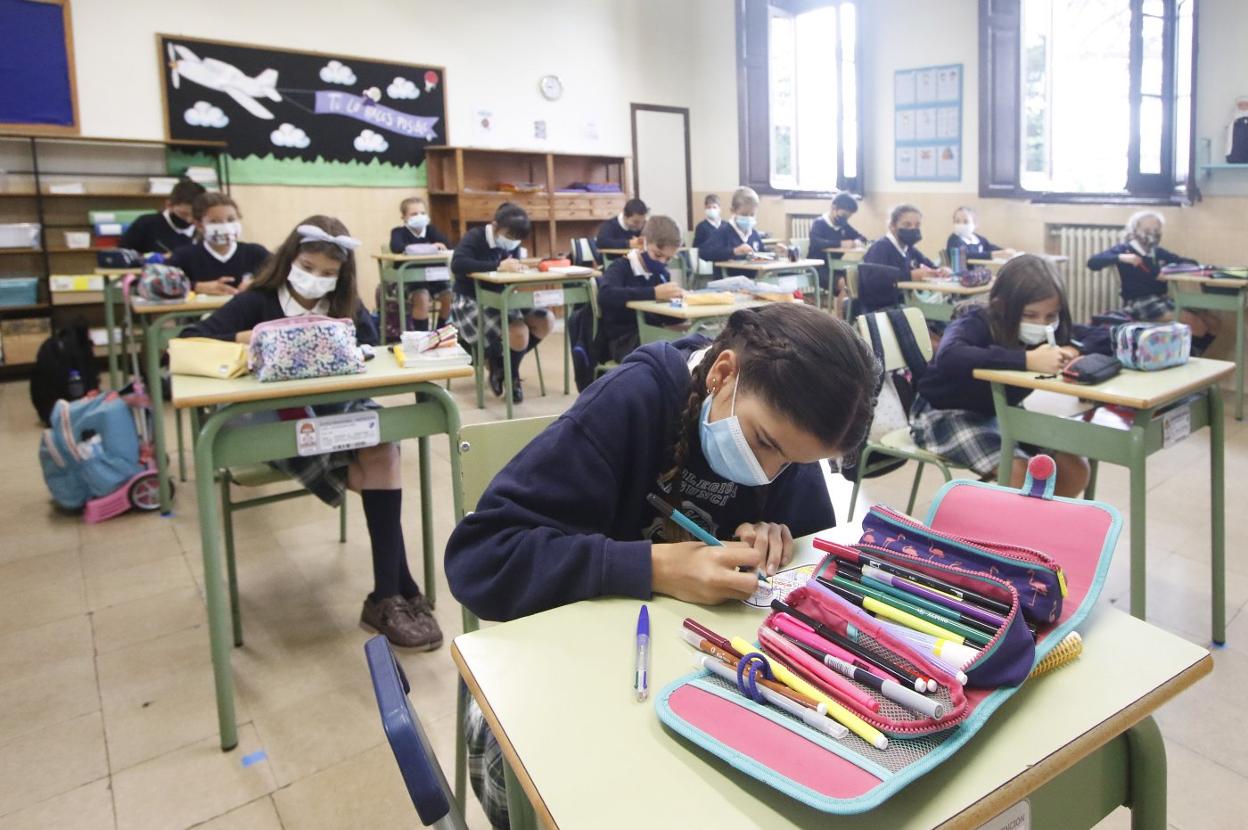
[144, 493]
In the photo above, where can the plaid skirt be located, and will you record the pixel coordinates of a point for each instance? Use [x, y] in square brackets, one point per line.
[467, 316]
[964, 437]
[1147, 309]
[485, 765]
[325, 476]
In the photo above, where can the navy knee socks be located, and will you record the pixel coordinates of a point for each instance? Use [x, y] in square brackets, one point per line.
[383, 513]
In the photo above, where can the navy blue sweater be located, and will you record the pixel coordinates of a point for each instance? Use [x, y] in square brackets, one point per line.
[200, 265]
[402, 236]
[1138, 282]
[703, 232]
[967, 345]
[884, 266]
[980, 250]
[719, 247]
[151, 232]
[249, 308]
[473, 255]
[611, 235]
[824, 235]
[567, 518]
[619, 285]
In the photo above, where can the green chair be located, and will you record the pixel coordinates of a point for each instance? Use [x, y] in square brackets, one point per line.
[484, 450]
[607, 365]
[898, 443]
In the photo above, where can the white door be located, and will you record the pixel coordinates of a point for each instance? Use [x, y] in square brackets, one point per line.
[661, 161]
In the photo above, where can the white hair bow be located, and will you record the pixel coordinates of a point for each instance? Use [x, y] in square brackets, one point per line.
[312, 233]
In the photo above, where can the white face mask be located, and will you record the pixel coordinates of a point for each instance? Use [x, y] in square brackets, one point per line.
[223, 233]
[418, 221]
[1033, 334]
[964, 228]
[505, 243]
[712, 213]
[310, 286]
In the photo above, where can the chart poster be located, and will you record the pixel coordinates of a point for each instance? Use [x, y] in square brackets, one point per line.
[927, 120]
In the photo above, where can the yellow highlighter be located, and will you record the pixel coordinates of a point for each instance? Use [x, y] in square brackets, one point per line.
[888, 612]
[836, 711]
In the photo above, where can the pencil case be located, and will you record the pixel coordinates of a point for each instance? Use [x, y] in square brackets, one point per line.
[1149, 347]
[307, 346]
[848, 775]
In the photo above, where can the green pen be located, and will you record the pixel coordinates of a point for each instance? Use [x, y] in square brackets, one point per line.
[970, 634]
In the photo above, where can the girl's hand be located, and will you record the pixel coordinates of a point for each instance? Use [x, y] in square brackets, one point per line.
[743, 249]
[773, 543]
[439, 246]
[924, 273]
[224, 285]
[1132, 259]
[510, 265]
[1070, 351]
[1047, 360]
[667, 291]
[694, 572]
[243, 337]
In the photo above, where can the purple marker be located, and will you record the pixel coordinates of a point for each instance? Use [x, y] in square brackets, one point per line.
[640, 683]
[986, 617]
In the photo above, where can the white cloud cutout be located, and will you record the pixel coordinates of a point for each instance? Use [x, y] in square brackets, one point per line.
[204, 114]
[337, 72]
[402, 88]
[374, 93]
[288, 135]
[371, 142]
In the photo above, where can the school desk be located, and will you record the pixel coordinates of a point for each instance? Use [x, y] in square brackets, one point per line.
[114, 297]
[523, 290]
[847, 260]
[1197, 297]
[404, 269]
[556, 688]
[223, 444]
[680, 262]
[951, 288]
[1165, 407]
[160, 322]
[994, 264]
[705, 315]
[790, 276]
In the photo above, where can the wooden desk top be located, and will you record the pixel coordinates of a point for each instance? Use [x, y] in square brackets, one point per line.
[197, 302]
[623, 251]
[944, 287]
[846, 253]
[527, 277]
[1221, 282]
[692, 312]
[602, 736]
[770, 265]
[442, 257]
[118, 272]
[1132, 389]
[190, 391]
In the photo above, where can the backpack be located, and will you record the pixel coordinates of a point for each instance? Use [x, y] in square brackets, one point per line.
[162, 282]
[68, 350]
[587, 350]
[90, 450]
[896, 391]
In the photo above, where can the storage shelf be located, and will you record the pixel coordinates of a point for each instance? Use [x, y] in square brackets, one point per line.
[11, 309]
[53, 250]
[89, 195]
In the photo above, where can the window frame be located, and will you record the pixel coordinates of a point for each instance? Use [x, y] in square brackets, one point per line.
[754, 97]
[1001, 93]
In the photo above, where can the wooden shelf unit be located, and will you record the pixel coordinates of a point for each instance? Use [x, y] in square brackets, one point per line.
[463, 191]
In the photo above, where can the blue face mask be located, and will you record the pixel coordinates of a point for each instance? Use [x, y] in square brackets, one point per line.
[655, 267]
[727, 451]
[745, 223]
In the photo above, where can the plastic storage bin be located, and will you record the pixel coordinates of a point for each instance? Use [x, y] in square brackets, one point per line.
[16, 291]
[19, 235]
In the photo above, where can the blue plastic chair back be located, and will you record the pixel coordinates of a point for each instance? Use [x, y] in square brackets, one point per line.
[426, 785]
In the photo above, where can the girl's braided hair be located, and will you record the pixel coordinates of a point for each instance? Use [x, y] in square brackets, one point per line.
[806, 365]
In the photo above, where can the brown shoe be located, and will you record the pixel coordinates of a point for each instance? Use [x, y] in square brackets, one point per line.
[401, 624]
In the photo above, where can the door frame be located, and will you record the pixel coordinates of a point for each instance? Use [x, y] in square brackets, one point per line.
[684, 112]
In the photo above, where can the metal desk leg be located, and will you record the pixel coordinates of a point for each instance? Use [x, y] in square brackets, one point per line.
[1217, 511]
[426, 518]
[505, 337]
[151, 345]
[1005, 467]
[1146, 770]
[110, 323]
[567, 350]
[1137, 468]
[520, 814]
[480, 347]
[1239, 361]
[402, 292]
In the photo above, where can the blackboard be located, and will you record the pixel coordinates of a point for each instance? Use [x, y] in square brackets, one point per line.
[37, 67]
[302, 117]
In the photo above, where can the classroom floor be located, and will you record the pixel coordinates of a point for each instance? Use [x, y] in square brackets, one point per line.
[107, 715]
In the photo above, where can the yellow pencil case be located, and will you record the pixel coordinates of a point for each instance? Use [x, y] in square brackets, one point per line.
[207, 357]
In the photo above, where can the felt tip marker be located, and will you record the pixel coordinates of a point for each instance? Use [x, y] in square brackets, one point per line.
[812, 718]
[640, 681]
[694, 529]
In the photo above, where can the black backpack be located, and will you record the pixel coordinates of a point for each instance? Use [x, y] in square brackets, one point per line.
[587, 350]
[68, 350]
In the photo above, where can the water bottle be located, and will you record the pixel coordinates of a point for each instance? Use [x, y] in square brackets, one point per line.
[75, 388]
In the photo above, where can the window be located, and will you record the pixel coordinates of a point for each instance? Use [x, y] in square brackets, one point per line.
[1086, 100]
[798, 90]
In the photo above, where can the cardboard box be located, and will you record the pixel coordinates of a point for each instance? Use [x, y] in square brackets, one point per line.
[22, 338]
[75, 282]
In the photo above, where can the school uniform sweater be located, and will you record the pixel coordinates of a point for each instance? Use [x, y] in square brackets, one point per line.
[402, 236]
[1138, 282]
[824, 234]
[703, 232]
[884, 266]
[967, 345]
[719, 247]
[980, 248]
[612, 234]
[567, 518]
[476, 253]
[249, 308]
[202, 265]
[626, 280]
[152, 232]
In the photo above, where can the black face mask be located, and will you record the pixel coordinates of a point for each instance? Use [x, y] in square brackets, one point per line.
[909, 236]
[839, 220]
[178, 222]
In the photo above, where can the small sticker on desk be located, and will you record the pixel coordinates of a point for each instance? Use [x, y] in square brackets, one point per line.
[1017, 817]
[1176, 425]
[331, 433]
[546, 299]
[440, 272]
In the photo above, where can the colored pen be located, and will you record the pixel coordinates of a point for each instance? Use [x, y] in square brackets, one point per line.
[904, 612]
[965, 608]
[731, 658]
[668, 512]
[952, 654]
[886, 592]
[813, 670]
[813, 719]
[698, 628]
[932, 582]
[836, 711]
[643, 652]
[888, 612]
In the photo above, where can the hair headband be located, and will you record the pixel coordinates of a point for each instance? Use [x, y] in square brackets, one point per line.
[312, 233]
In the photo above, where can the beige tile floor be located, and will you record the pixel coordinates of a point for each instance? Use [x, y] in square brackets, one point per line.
[107, 716]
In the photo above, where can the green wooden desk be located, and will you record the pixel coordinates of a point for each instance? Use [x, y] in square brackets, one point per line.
[1195, 296]
[801, 275]
[942, 311]
[706, 315]
[556, 688]
[1156, 398]
[115, 298]
[402, 270]
[847, 260]
[160, 322]
[224, 444]
[522, 290]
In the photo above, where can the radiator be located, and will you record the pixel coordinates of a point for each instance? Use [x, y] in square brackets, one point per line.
[799, 224]
[1088, 292]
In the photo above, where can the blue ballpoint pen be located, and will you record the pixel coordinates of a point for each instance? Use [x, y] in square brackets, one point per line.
[640, 681]
[690, 525]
